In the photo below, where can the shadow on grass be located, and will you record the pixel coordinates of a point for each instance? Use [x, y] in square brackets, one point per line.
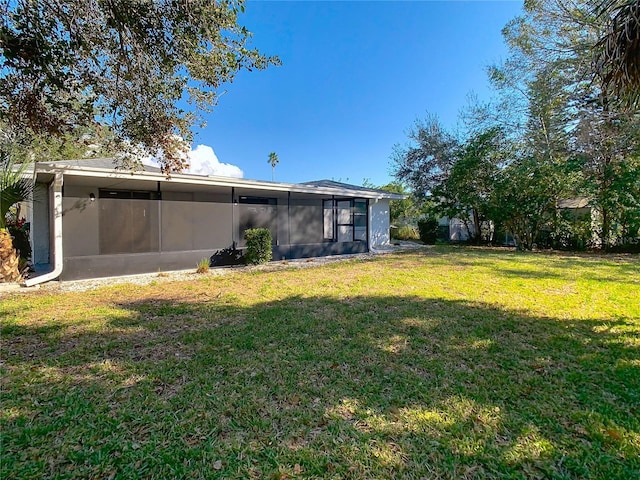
[322, 387]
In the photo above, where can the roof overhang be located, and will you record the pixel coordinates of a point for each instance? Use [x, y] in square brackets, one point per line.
[47, 169]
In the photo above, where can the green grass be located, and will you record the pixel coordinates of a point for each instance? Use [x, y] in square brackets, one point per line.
[446, 363]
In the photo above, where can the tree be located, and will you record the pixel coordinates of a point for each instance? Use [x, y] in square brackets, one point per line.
[457, 174]
[524, 199]
[273, 161]
[572, 117]
[466, 193]
[128, 64]
[607, 147]
[426, 160]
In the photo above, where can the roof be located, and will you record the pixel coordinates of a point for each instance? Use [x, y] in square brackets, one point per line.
[106, 168]
[334, 184]
[571, 203]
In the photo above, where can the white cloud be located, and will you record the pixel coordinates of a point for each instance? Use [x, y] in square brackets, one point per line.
[203, 161]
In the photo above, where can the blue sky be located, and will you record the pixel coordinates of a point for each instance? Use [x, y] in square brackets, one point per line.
[354, 78]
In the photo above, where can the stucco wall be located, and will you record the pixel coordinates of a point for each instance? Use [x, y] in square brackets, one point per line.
[80, 221]
[378, 222]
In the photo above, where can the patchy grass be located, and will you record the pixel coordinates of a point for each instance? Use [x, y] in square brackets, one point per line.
[448, 363]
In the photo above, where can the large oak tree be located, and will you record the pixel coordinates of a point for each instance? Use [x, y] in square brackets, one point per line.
[145, 68]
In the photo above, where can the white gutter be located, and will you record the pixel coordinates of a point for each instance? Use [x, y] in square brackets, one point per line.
[55, 191]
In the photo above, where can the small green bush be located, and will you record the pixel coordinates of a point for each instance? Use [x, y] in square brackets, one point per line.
[405, 232]
[428, 230]
[258, 245]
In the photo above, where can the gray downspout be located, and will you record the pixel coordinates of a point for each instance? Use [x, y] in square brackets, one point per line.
[55, 190]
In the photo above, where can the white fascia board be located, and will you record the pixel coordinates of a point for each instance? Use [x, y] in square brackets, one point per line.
[186, 179]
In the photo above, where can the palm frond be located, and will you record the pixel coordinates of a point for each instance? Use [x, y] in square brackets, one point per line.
[617, 53]
[15, 184]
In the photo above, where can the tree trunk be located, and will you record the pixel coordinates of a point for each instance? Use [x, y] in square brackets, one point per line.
[476, 225]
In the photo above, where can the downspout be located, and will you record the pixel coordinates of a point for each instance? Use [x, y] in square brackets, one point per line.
[55, 190]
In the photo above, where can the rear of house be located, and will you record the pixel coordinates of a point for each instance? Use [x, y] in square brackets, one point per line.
[89, 220]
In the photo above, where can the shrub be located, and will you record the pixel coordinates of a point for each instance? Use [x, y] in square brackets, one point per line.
[570, 233]
[203, 266]
[428, 230]
[20, 233]
[258, 245]
[405, 232]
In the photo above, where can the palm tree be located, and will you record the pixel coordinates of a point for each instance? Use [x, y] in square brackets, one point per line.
[15, 187]
[273, 160]
[617, 53]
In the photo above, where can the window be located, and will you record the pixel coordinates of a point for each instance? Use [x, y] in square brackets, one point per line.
[360, 220]
[327, 208]
[345, 220]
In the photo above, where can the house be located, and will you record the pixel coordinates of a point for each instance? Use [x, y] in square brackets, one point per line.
[89, 219]
[577, 207]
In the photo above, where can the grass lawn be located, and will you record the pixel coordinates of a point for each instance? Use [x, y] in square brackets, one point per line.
[444, 363]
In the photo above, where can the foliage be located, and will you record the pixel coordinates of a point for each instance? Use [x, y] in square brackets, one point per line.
[426, 161]
[572, 232]
[525, 200]
[451, 363]
[617, 53]
[125, 64]
[405, 232]
[398, 209]
[428, 230]
[83, 141]
[408, 210]
[571, 115]
[258, 245]
[21, 241]
[552, 132]
[203, 265]
[468, 190]
[607, 146]
[15, 183]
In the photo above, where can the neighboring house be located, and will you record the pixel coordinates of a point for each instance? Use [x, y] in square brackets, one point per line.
[578, 207]
[457, 229]
[583, 220]
[98, 221]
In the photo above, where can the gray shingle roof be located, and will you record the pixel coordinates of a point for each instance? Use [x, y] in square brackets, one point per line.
[576, 202]
[334, 184]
